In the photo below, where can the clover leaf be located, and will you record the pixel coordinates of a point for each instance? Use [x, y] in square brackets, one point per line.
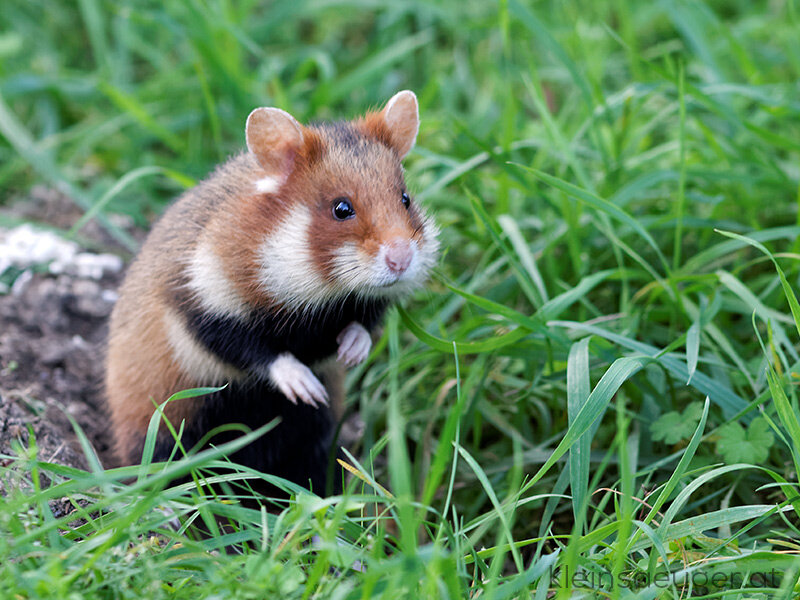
[736, 444]
[672, 427]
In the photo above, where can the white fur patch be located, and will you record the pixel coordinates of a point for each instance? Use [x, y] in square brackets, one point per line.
[296, 381]
[288, 272]
[192, 358]
[351, 267]
[209, 282]
[267, 185]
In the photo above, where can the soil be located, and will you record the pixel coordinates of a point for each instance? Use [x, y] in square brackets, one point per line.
[52, 335]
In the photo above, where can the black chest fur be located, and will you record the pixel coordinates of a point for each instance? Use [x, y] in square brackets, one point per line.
[298, 448]
[256, 340]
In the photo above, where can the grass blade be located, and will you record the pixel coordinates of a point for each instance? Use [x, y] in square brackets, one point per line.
[578, 390]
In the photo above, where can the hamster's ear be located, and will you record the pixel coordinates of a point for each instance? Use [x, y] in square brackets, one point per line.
[397, 124]
[276, 138]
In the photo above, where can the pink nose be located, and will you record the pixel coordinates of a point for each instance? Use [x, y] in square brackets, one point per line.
[398, 256]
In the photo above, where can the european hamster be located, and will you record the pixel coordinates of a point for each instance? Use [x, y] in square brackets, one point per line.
[286, 256]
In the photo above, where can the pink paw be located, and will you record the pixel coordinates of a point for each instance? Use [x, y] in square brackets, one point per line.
[354, 344]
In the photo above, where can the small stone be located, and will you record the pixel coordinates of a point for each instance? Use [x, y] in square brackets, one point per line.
[54, 356]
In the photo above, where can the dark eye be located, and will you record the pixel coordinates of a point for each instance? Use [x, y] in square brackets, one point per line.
[343, 209]
[405, 199]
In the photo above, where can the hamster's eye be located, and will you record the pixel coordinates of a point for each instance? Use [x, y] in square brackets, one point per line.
[343, 209]
[405, 199]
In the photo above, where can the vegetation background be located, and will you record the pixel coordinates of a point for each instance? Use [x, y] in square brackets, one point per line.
[600, 385]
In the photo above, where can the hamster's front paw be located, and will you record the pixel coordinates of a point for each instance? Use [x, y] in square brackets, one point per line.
[354, 344]
[295, 380]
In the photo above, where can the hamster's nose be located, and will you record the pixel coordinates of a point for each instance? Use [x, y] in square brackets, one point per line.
[398, 256]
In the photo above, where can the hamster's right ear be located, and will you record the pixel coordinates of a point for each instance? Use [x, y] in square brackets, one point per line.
[396, 125]
[401, 116]
[275, 138]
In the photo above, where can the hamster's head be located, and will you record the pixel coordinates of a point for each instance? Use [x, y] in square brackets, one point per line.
[337, 218]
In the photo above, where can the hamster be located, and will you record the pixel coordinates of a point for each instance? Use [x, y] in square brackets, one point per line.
[282, 261]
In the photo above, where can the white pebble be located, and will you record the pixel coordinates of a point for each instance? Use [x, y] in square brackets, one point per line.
[25, 246]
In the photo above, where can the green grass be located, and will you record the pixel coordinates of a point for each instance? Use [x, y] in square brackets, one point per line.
[600, 381]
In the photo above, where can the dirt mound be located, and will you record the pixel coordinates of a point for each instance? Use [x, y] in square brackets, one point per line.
[51, 358]
[53, 324]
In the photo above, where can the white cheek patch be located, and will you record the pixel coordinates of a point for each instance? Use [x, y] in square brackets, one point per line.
[287, 272]
[429, 251]
[192, 358]
[211, 286]
[352, 268]
[267, 185]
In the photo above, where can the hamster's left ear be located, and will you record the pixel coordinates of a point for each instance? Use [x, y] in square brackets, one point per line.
[276, 139]
[397, 124]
